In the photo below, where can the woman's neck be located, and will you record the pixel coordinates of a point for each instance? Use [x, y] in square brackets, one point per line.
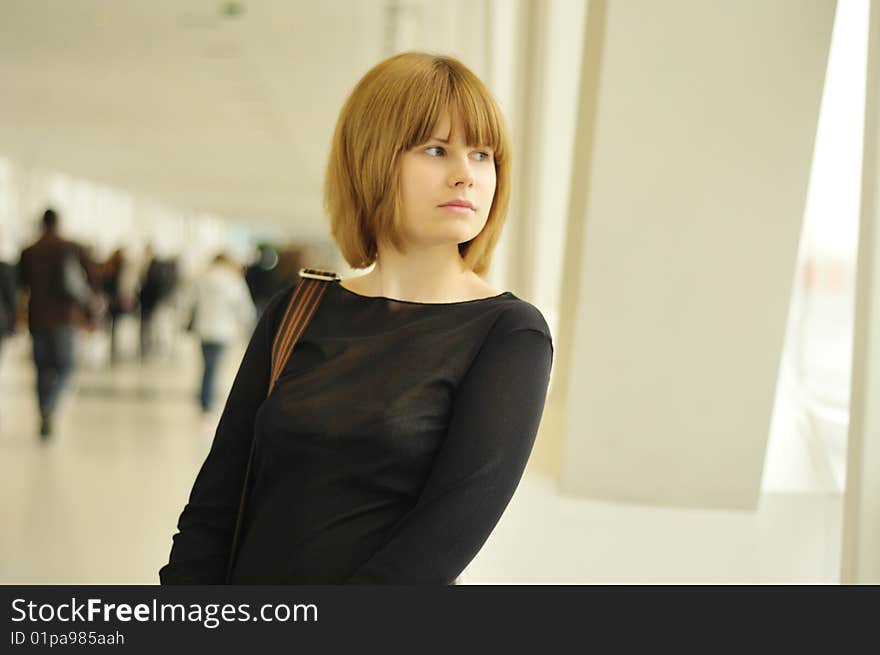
[424, 276]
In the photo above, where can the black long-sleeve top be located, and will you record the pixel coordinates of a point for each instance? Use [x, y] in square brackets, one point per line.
[387, 451]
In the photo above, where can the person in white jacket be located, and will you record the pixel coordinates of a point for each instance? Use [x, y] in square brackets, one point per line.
[223, 309]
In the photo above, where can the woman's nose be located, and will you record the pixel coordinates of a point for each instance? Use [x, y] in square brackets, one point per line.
[461, 175]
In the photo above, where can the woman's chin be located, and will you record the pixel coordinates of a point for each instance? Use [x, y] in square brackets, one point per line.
[447, 237]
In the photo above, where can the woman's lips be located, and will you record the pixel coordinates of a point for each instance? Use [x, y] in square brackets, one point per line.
[457, 209]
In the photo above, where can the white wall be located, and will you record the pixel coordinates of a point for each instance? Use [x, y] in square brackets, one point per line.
[699, 159]
[861, 533]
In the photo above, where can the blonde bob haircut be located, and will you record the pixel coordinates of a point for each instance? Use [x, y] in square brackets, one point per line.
[394, 108]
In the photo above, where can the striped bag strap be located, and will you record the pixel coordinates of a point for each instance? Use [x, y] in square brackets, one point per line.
[303, 303]
[300, 309]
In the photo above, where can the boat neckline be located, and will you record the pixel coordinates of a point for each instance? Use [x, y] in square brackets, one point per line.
[415, 302]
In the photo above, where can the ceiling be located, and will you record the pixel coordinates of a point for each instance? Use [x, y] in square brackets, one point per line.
[178, 101]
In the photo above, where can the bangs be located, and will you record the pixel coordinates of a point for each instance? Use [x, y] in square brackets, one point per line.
[446, 88]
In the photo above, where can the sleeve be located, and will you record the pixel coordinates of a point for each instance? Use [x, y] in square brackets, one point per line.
[21, 272]
[495, 418]
[201, 546]
[8, 283]
[91, 267]
[8, 300]
[79, 277]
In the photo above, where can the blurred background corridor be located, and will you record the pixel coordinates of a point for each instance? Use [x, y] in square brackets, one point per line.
[691, 182]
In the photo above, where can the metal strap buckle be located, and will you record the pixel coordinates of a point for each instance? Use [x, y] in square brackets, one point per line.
[318, 274]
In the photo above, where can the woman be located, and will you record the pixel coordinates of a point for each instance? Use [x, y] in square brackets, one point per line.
[401, 425]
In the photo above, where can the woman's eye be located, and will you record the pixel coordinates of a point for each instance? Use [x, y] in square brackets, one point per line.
[434, 151]
[482, 156]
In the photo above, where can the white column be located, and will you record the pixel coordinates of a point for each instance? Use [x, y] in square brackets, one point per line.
[526, 121]
[697, 163]
[542, 112]
[550, 446]
[504, 39]
[861, 520]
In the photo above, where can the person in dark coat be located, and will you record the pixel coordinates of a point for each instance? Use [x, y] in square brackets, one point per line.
[159, 283]
[57, 275]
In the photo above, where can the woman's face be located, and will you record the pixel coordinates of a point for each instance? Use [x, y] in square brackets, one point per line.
[446, 188]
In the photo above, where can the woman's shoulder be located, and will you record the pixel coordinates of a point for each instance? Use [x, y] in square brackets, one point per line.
[517, 314]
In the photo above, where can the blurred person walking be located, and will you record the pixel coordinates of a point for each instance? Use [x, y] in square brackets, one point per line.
[56, 274]
[118, 302]
[159, 283]
[223, 306]
[7, 301]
